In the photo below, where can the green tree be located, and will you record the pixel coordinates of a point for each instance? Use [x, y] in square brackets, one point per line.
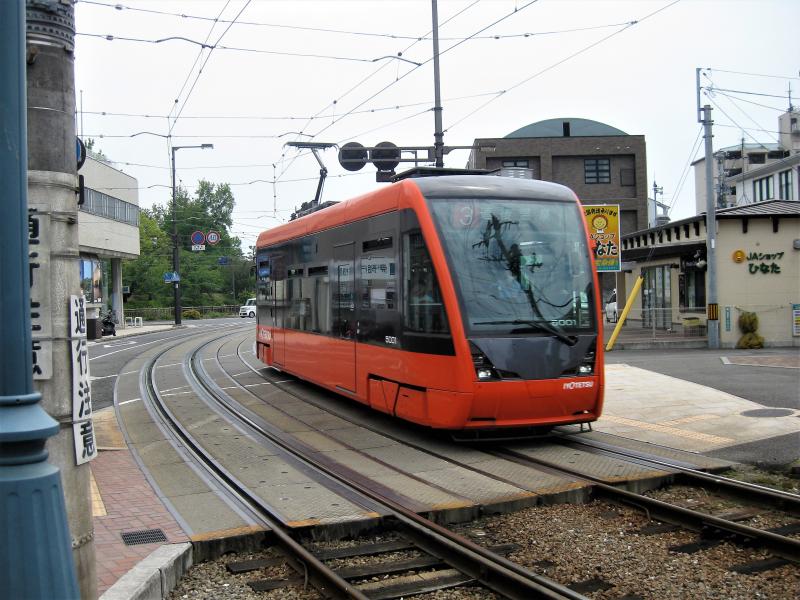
[204, 281]
[145, 275]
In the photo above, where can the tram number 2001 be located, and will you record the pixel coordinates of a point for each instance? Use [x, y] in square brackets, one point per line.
[390, 339]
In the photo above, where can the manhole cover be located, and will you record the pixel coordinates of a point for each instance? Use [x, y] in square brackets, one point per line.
[767, 412]
[145, 536]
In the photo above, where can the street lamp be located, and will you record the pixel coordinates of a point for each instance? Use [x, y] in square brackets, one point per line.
[176, 261]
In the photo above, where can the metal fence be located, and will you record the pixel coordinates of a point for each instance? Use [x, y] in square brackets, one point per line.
[660, 321]
[168, 313]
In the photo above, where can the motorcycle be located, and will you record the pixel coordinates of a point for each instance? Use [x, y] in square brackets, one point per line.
[109, 327]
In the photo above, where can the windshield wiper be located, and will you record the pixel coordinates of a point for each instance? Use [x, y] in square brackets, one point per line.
[569, 340]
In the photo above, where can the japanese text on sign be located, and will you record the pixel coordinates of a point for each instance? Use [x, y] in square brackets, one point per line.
[39, 271]
[603, 222]
[82, 427]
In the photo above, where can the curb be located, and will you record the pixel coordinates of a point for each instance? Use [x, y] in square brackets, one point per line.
[155, 576]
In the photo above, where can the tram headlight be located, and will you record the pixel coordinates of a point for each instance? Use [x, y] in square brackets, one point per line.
[586, 369]
[484, 374]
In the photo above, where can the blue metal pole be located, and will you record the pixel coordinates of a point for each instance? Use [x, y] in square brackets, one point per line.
[35, 549]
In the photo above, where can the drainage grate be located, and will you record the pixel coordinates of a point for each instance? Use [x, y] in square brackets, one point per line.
[145, 536]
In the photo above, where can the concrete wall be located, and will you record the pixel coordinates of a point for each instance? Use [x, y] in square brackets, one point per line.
[769, 295]
[100, 235]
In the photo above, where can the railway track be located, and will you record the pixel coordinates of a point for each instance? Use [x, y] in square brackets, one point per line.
[446, 559]
[781, 541]
[449, 560]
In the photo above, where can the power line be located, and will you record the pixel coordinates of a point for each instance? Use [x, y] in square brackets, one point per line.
[751, 74]
[204, 46]
[205, 62]
[104, 113]
[716, 91]
[392, 36]
[560, 62]
[687, 166]
[732, 120]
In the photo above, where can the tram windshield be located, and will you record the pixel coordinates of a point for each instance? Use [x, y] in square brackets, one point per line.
[520, 266]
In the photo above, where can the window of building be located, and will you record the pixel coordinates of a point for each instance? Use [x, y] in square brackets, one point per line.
[515, 163]
[762, 189]
[785, 190]
[757, 158]
[597, 170]
[103, 205]
[692, 290]
[92, 280]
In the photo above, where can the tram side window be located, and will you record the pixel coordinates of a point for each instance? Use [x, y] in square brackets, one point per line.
[299, 309]
[316, 289]
[424, 308]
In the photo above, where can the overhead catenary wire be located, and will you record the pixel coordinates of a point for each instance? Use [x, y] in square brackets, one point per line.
[522, 82]
[393, 36]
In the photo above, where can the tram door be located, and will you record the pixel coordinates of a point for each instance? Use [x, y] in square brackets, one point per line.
[343, 307]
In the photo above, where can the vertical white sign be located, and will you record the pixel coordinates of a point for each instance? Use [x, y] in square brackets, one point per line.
[82, 426]
[41, 321]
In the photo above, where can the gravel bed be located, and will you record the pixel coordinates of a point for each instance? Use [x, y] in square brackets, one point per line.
[713, 504]
[600, 540]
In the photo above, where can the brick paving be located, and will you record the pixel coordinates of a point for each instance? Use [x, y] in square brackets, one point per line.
[130, 504]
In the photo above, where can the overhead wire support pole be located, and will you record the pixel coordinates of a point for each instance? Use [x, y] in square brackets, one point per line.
[712, 304]
[176, 254]
[438, 135]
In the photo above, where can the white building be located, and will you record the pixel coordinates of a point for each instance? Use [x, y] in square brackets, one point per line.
[754, 172]
[108, 231]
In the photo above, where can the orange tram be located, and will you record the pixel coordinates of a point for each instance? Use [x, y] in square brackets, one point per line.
[463, 302]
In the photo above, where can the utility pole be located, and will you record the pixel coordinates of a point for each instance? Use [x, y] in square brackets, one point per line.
[35, 553]
[712, 305]
[438, 134]
[656, 190]
[176, 252]
[53, 273]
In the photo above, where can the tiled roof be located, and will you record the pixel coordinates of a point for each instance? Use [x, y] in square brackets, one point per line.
[769, 207]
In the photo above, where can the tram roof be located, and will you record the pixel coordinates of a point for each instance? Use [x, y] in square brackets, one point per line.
[401, 194]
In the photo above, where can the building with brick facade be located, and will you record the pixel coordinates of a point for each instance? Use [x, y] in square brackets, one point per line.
[601, 163]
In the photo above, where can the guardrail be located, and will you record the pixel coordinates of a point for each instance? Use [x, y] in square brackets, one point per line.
[168, 313]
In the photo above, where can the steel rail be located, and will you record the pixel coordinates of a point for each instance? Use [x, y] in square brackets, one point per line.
[492, 570]
[783, 546]
[785, 500]
[324, 578]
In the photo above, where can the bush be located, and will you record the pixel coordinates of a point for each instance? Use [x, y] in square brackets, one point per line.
[191, 314]
[748, 324]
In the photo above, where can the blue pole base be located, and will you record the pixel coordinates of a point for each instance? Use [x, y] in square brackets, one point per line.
[35, 548]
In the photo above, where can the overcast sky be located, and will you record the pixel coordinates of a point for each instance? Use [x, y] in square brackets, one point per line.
[327, 69]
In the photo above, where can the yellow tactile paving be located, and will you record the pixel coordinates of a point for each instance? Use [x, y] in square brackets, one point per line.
[712, 439]
[106, 430]
[691, 419]
[98, 507]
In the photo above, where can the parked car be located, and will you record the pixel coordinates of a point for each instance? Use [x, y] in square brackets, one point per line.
[611, 308]
[248, 309]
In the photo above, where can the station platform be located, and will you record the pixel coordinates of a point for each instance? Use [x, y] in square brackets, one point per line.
[641, 405]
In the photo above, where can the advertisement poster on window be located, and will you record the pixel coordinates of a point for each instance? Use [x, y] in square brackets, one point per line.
[603, 222]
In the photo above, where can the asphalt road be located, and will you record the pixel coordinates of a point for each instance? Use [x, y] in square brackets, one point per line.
[109, 356]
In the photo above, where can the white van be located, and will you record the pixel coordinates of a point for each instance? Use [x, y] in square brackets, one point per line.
[248, 309]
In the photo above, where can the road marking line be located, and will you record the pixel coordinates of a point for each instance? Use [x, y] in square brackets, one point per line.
[128, 401]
